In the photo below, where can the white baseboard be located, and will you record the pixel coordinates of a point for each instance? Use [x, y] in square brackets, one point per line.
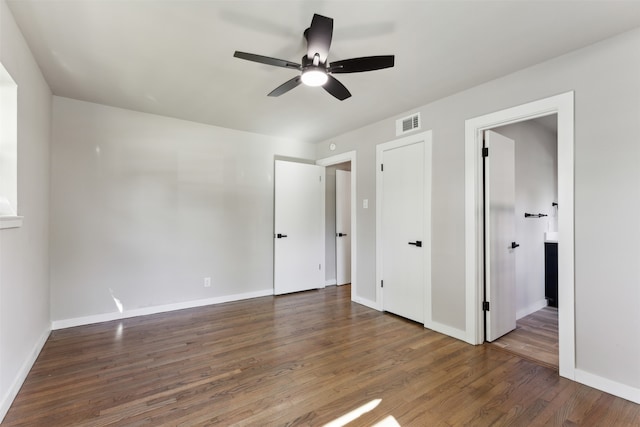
[12, 392]
[106, 317]
[531, 308]
[447, 330]
[608, 386]
[330, 282]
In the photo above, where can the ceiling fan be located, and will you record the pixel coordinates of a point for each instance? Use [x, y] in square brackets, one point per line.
[315, 70]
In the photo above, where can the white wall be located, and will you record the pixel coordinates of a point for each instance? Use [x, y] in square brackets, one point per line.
[24, 263]
[536, 179]
[144, 207]
[604, 77]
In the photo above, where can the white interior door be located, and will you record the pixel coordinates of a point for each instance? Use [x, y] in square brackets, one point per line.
[343, 227]
[402, 229]
[500, 232]
[299, 227]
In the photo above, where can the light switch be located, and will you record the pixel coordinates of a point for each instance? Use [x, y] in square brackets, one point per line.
[365, 203]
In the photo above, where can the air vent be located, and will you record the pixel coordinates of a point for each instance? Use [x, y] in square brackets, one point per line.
[408, 124]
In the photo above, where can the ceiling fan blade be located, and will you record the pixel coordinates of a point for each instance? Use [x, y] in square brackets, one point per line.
[319, 36]
[267, 60]
[286, 86]
[337, 89]
[367, 63]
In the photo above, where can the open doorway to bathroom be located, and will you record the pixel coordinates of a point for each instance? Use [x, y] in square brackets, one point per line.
[535, 212]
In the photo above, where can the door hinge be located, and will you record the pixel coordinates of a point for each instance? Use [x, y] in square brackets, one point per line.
[381, 167]
[320, 178]
[382, 283]
[485, 152]
[485, 305]
[319, 266]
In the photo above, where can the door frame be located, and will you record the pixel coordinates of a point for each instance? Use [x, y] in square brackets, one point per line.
[563, 106]
[427, 138]
[349, 156]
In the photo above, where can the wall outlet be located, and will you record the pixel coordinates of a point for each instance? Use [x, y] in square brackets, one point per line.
[207, 282]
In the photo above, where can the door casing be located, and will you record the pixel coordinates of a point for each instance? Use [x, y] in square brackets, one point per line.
[563, 106]
[350, 156]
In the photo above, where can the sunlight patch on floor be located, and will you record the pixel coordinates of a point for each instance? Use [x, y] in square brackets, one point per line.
[387, 422]
[356, 413]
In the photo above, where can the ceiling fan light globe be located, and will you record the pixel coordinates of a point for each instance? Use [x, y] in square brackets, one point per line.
[314, 78]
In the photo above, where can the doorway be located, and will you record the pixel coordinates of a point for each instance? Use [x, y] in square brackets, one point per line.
[563, 106]
[338, 224]
[527, 298]
[348, 161]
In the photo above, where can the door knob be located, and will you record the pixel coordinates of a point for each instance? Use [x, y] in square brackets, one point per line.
[417, 243]
[514, 245]
[341, 234]
[280, 236]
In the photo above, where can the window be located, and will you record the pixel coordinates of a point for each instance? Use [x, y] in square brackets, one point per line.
[8, 151]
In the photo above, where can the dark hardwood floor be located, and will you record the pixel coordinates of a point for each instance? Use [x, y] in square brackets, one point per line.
[300, 359]
[535, 337]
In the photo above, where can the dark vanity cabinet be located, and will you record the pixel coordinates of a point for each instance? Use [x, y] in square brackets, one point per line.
[551, 273]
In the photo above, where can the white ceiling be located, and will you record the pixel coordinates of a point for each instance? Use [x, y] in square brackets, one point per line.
[175, 58]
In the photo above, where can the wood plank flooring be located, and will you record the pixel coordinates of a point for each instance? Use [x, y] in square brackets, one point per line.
[535, 337]
[300, 359]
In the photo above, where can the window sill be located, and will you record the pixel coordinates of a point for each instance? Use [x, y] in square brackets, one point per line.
[12, 221]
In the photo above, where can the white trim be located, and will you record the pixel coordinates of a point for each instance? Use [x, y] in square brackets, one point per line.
[612, 387]
[447, 330]
[563, 105]
[106, 317]
[330, 282]
[531, 308]
[349, 156]
[427, 138]
[12, 221]
[13, 390]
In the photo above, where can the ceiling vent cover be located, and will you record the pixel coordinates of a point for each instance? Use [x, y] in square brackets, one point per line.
[408, 124]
